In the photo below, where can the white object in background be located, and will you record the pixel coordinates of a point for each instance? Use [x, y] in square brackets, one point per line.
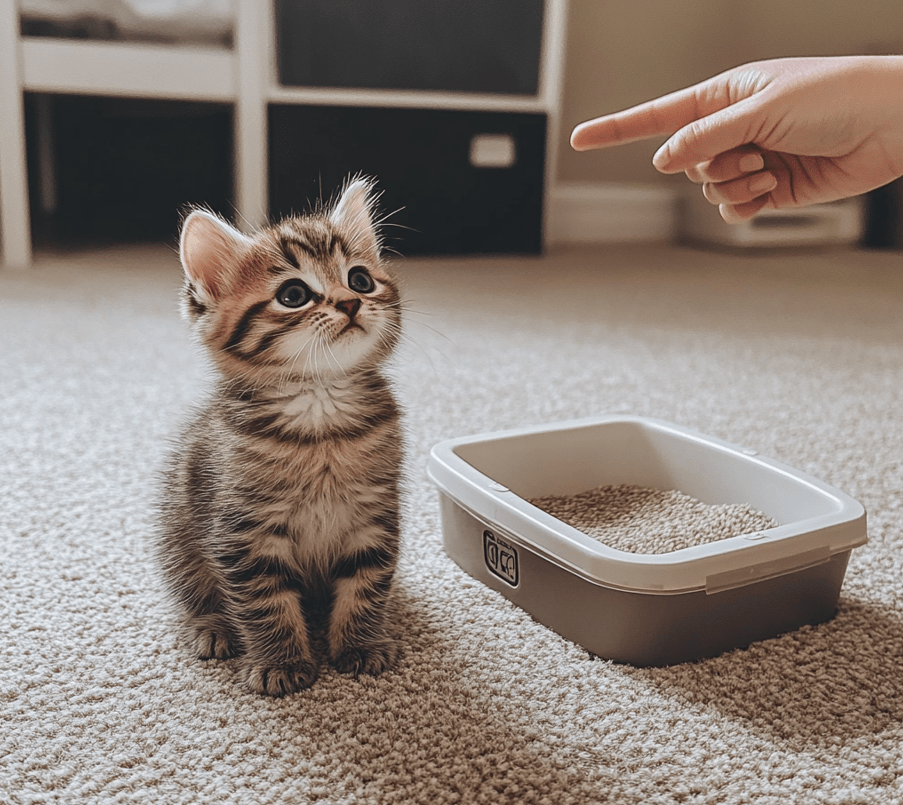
[180, 20]
[836, 223]
[493, 151]
[609, 212]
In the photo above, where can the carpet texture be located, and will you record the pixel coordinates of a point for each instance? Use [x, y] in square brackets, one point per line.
[799, 357]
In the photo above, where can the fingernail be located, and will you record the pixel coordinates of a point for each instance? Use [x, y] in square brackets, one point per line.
[762, 183]
[751, 162]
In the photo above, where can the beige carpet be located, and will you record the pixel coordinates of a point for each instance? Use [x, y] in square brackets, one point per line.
[800, 358]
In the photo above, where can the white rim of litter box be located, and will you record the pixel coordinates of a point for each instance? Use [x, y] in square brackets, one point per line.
[712, 567]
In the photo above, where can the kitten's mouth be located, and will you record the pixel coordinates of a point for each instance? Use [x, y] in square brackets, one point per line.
[352, 325]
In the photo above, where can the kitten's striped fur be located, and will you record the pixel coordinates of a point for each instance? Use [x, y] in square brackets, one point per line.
[279, 511]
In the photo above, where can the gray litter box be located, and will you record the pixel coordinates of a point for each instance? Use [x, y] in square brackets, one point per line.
[644, 609]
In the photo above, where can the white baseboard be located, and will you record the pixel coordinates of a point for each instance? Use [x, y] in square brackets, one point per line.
[610, 213]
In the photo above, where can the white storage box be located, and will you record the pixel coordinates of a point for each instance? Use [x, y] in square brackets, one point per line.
[644, 609]
[836, 223]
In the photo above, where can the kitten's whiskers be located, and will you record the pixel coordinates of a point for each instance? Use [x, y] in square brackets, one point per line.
[290, 370]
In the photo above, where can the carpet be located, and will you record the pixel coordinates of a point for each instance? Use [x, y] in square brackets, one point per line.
[797, 356]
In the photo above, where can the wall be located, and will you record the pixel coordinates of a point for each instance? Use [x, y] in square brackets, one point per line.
[621, 53]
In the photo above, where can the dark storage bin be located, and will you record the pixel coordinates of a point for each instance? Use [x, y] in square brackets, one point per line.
[441, 203]
[487, 46]
[123, 170]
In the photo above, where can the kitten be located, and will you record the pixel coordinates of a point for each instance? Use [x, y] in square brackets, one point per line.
[280, 505]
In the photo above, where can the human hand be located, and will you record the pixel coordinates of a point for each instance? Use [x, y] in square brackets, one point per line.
[773, 134]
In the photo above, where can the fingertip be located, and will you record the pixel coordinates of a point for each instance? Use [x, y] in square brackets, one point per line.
[663, 160]
[581, 139]
[575, 139]
[741, 213]
[729, 215]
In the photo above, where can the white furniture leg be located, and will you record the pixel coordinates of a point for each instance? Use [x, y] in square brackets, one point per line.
[15, 227]
[251, 81]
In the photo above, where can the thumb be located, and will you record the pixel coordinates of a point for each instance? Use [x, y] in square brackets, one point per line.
[703, 139]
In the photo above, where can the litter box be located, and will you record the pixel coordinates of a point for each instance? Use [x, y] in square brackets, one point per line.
[644, 609]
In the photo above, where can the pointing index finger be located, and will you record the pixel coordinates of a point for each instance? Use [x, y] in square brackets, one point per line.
[659, 117]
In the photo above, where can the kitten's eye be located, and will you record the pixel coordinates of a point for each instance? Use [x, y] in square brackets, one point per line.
[360, 280]
[294, 294]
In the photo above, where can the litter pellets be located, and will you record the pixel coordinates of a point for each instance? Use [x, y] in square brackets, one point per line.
[637, 519]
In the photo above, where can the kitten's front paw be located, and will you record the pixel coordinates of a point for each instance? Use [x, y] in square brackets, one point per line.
[371, 658]
[213, 644]
[279, 680]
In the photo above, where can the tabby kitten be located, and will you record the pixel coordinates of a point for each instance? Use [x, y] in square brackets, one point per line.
[279, 518]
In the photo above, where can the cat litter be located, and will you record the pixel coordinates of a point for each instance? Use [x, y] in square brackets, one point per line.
[644, 541]
[637, 519]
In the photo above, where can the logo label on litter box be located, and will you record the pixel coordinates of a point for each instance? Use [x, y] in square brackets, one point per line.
[501, 558]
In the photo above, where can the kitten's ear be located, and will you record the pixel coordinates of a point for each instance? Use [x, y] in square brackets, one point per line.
[211, 251]
[353, 215]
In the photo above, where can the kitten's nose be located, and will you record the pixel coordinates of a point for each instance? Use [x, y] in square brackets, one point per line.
[349, 307]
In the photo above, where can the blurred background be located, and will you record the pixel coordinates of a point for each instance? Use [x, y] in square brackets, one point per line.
[118, 114]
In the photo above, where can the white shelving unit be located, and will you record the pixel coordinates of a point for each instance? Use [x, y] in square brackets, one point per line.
[244, 75]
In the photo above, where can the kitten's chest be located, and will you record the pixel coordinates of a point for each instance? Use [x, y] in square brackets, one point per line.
[319, 409]
[333, 468]
[325, 495]
[321, 463]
